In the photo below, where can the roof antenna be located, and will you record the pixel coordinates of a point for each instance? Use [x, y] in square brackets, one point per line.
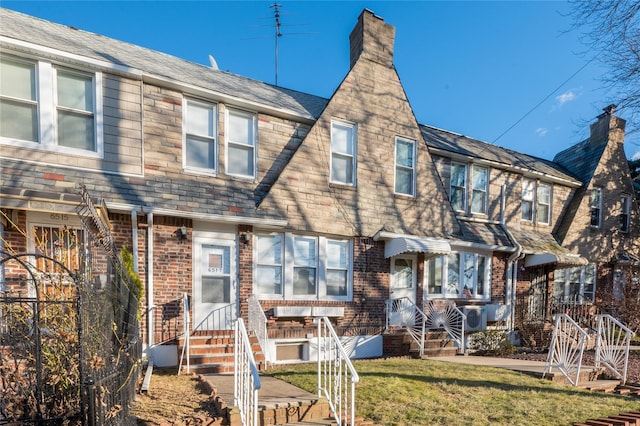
[276, 13]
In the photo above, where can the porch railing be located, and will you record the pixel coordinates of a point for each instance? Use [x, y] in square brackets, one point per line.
[578, 307]
[444, 314]
[186, 333]
[218, 319]
[246, 383]
[402, 312]
[258, 324]
[612, 346]
[567, 346]
[337, 377]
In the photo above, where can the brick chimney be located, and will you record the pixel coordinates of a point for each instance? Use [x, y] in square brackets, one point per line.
[608, 127]
[373, 38]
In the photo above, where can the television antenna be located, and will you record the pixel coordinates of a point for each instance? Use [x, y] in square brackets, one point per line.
[276, 14]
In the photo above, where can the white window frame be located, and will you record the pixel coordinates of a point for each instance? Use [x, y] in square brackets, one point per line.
[230, 141]
[353, 156]
[46, 101]
[539, 202]
[444, 276]
[581, 296]
[322, 266]
[625, 213]
[528, 196]
[598, 207]
[211, 138]
[462, 188]
[411, 168]
[484, 192]
[257, 265]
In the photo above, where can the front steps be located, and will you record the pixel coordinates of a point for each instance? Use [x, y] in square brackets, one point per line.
[212, 352]
[398, 342]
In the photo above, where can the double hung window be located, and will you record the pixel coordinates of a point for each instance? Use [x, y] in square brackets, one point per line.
[625, 213]
[405, 167]
[480, 189]
[575, 285]
[301, 267]
[536, 201]
[50, 107]
[528, 200]
[596, 207]
[459, 186]
[544, 203]
[459, 275]
[343, 152]
[241, 143]
[200, 127]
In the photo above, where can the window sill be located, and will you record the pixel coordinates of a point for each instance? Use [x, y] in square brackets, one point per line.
[338, 185]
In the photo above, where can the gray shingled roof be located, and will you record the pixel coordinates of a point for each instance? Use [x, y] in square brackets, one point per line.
[463, 145]
[583, 158]
[490, 234]
[26, 28]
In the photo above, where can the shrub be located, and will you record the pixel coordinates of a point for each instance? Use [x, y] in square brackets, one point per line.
[491, 342]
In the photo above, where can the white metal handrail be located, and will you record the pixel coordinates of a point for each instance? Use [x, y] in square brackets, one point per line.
[186, 322]
[219, 319]
[444, 314]
[402, 312]
[337, 377]
[246, 380]
[612, 346]
[567, 346]
[258, 324]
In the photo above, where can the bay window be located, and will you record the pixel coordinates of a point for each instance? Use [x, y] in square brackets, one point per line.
[302, 267]
[459, 275]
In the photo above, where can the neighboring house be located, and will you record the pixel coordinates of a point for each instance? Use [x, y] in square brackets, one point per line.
[226, 188]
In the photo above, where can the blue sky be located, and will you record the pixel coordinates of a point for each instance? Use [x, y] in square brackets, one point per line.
[510, 73]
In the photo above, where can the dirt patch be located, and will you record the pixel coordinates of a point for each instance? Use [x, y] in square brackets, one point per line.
[178, 400]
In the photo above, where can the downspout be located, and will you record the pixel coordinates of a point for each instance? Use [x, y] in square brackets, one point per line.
[150, 305]
[512, 265]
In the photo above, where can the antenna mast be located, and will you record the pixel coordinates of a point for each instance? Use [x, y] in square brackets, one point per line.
[276, 12]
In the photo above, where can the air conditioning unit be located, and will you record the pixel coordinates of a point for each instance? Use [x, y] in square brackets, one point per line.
[476, 318]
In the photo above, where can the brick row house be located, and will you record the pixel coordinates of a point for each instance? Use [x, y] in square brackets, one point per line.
[226, 188]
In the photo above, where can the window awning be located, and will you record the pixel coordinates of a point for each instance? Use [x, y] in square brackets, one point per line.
[564, 259]
[399, 245]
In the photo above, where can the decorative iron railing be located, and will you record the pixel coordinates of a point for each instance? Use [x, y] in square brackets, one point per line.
[403, 313]
[337, 376]
[579, 308]
[258, 324]
[444, 314]
[612, 346]
[246, 383]
[567, 346]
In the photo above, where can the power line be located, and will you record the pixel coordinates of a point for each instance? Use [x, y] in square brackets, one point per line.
[543, 100]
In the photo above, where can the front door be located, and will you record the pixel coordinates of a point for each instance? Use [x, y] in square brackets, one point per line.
[214, 287]
[402, 290]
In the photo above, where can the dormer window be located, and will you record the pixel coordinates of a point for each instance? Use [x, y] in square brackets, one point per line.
[343, 152]
[596, 207]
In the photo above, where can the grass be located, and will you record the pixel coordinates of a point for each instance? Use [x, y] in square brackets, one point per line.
[407, 391]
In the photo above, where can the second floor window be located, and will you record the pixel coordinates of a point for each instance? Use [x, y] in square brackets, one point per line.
[544, 203]
[459, 186]
[480, 188]
[625, 213]
[50, 107]
[528, 199]
[241, 143]
[200, 151]
[596, 207]
[405, 166]
[343, 152]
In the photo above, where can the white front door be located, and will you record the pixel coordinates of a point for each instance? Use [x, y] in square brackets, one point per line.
[403, 290]
[214, 284]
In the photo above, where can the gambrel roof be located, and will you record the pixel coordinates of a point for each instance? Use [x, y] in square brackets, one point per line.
[156, 64]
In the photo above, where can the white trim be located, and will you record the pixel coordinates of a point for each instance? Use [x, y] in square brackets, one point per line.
[413, 167]
[400, 245]
[213, 108]
[354, 155]
[254, 146]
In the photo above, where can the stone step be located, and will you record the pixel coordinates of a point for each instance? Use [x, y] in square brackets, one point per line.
[631, 418]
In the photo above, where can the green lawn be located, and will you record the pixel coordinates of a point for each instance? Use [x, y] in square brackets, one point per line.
[416, 392]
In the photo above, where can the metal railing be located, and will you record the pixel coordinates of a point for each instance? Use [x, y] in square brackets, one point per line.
[402, 312]
[612, 346]
[337, 377]
[567, 346]
[218, 319]
[186, 321]
[246, 383]
[579, 308]
[444, 314]
[258, 324]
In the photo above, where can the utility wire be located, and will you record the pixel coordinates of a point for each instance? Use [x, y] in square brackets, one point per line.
[544, 100]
